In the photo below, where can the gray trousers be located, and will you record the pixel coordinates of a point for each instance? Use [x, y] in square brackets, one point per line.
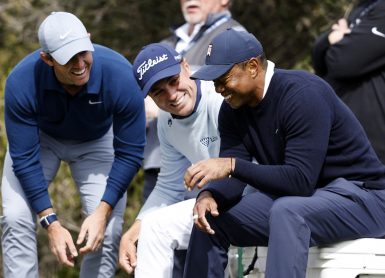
[90, 163]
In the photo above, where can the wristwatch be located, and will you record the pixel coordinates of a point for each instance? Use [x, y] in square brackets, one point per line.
[46, 220]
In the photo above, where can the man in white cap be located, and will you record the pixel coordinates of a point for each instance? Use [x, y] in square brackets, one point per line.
[77, 102]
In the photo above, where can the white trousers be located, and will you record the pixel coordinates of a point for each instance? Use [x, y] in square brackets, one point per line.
[163, 231]
[90, 163]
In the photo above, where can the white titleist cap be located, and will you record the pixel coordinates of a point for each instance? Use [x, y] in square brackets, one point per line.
[63, 35]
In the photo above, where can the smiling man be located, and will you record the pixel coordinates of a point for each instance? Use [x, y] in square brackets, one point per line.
[188, 132]
[203, 20]
[77, 102]
[318, 180]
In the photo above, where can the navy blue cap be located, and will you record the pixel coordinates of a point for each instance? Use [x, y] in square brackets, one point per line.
[227, 49]
[155, 62]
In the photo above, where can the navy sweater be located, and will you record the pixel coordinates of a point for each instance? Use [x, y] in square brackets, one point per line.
[303, 137]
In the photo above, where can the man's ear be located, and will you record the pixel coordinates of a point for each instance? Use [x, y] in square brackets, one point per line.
[254, 67]
[46, 58]
[186, 66]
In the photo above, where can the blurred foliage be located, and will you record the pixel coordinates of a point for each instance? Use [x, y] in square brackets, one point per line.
[287, 30]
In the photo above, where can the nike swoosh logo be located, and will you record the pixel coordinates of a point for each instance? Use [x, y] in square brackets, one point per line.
[94, 102]
[377, 33]
[63, 36]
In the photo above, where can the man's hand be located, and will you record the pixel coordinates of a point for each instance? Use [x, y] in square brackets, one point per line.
[339, 30]
[207, 170]
[93, 229]
[204, 204]
[127, 249]
[61, 244]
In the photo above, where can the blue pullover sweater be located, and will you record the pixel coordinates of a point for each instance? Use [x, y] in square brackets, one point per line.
[303, 137]
[35, 100]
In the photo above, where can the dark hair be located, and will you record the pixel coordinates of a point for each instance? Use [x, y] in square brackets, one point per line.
[261, 58]
[48, 55]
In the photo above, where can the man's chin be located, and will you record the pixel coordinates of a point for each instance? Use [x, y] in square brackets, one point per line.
[234, 105]
[193, 19]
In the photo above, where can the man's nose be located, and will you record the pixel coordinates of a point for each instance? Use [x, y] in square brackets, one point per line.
[219, 88]
[77, 60]
[171, 92]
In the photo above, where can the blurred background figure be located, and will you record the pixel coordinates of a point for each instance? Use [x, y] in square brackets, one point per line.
[204, 19]
[351, 57]
[151, 161]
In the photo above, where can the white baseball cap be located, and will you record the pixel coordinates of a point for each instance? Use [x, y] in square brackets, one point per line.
[63, 35]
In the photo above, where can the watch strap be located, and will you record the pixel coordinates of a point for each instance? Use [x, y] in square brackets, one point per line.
[46, 220]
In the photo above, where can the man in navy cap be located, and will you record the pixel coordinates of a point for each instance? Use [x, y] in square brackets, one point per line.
[318, 178]
[188, 132]
[77, 102]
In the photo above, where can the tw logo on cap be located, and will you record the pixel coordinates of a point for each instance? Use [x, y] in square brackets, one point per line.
[209, 50]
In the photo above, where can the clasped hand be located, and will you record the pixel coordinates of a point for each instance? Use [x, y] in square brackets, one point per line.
[207, 170]
[91, 232]
[200, 174]
[338, 31]
[127, 248]
[204, 204]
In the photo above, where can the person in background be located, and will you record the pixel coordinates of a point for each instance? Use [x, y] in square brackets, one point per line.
[188, 132]
[151, 161]
[351, 57]
[77, 102]
[318, 180]
[204, 19]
